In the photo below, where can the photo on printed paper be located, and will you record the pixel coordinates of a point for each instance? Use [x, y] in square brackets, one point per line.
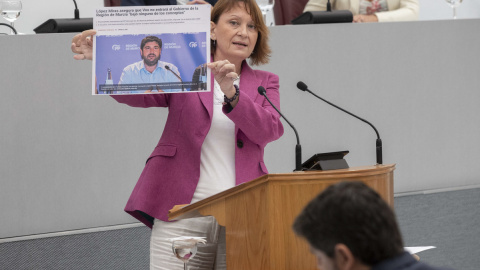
[151, 63]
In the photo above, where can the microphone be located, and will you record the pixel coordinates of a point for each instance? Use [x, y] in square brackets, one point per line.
[65, 25]
[76, 12]
[298, 147]
[302, 86]
[327, 16]
[176, 75]
[11, 27]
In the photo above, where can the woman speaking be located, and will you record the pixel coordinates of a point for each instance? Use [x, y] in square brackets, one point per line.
[212, 141]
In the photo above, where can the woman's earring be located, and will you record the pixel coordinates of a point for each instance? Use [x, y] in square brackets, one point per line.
[214, 43]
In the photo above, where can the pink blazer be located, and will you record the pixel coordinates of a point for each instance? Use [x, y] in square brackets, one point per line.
[172, 171]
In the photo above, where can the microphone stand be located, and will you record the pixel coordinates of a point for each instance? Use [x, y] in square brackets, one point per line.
[298, 147]
[11, 27]
[379, 155]
[77, 12]
[176, 75]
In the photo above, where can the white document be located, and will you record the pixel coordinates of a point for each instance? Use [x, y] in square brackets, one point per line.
[127, 56]
[414, 250]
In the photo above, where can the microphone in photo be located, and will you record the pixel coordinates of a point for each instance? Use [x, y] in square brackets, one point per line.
[302, 86]
[167, 67]
[298, 147]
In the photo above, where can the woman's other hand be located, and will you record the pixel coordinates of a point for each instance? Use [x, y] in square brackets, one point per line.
[82, 45]
[225, 75]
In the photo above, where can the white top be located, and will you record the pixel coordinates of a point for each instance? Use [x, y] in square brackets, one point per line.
[217, 160]
[370, 7]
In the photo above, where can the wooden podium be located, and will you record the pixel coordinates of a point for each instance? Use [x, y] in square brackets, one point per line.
[258, 215]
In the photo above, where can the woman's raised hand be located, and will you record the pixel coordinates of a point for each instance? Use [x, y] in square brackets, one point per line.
[82, 45]
[225, 75]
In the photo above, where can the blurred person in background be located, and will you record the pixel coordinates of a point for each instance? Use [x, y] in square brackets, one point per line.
[371, 10]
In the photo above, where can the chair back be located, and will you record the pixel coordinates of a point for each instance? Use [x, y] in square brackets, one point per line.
[287, 10]
[112, 3]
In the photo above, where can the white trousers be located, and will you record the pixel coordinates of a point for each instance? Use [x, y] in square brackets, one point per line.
[211, 255]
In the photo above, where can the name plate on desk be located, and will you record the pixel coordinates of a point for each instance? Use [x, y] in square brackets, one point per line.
[326, 161]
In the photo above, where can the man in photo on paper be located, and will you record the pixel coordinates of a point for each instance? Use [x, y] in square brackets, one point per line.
[150, 70]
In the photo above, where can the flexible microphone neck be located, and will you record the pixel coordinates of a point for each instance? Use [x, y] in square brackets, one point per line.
[176, 75]
[298, 147]
[11, 27]
[302, 86]
[77, 12]
[378, 135]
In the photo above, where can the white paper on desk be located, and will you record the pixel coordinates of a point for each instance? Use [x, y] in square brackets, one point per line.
[415, 250]
[185, 34]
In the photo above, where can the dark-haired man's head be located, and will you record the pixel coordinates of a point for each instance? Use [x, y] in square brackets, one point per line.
[151, 50]
[349, 226]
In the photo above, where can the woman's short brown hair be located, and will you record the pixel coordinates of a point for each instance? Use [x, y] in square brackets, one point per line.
[261, 52]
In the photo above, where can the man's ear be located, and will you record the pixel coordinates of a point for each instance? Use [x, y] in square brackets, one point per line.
[212, 31]
[343, 257]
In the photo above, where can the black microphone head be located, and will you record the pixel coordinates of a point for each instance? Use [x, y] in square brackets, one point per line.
[302, 86]
[167, 67]
[261, 90]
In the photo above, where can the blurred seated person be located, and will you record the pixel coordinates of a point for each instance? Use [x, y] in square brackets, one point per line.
[165, 2]
[371, 10]
[350, 227]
